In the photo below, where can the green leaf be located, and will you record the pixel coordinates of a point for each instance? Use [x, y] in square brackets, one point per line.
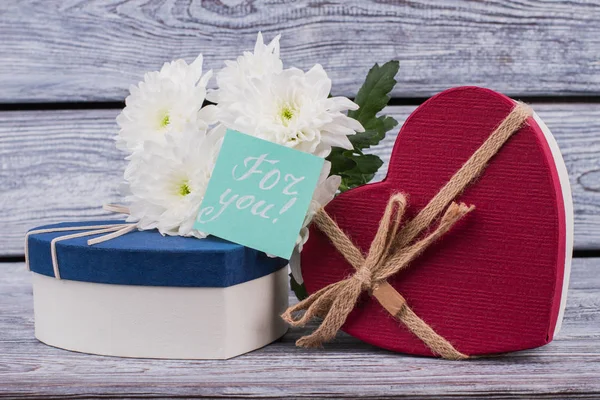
[373, 96]
[355, 167]
[365, 164]
[375, 130]
[339, 161]
[299, 289]
[362, 170]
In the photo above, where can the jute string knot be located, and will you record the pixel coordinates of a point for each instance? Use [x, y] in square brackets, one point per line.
[363, 276]
[392, 250]
[335, 302]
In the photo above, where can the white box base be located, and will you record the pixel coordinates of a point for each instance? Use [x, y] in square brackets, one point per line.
[563, 177]
[158, 321]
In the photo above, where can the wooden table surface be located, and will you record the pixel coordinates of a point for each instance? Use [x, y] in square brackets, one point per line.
[567, 367]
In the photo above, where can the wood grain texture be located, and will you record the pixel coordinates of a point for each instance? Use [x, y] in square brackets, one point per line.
[63, 165]
[569, 367]
[55, 166]
[92, 50]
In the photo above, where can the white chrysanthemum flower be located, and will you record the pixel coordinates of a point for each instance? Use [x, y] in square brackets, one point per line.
[168, 185]
[238, 75]
[181, 72]
[166, 101]
[324, 193]
[293, 109]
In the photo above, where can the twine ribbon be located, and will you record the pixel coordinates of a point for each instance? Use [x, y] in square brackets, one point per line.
[393, 248]
[108, 232]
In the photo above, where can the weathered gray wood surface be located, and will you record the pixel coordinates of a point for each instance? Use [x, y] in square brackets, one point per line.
[568, 367]
[92, 50]
[63, 165]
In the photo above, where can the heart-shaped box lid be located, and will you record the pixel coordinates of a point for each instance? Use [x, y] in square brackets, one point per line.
[147, 258]
[497, 281]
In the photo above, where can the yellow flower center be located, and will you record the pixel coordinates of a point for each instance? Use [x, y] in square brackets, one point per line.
[184, 188]
[286, 113]
[164, 122]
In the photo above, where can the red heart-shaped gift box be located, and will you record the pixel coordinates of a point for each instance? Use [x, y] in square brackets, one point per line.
[497, 281]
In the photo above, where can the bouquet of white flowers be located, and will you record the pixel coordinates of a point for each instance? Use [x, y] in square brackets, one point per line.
[172, 129]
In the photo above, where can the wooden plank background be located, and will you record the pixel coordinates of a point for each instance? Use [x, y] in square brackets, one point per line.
[92, 50]
[63, 165]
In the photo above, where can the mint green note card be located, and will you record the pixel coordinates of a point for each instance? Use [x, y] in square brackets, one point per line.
[258, 194]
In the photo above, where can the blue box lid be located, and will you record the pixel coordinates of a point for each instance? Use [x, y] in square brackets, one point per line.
[147, 258]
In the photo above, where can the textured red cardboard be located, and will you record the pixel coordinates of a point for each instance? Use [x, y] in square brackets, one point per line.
[493, 283]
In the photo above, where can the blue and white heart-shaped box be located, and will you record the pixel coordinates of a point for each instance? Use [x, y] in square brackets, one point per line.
[147, 295]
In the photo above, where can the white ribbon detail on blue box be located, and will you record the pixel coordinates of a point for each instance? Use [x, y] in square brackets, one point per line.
[112, 231]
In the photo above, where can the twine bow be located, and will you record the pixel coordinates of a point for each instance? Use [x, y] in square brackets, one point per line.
[108, 232]
[392, 249]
